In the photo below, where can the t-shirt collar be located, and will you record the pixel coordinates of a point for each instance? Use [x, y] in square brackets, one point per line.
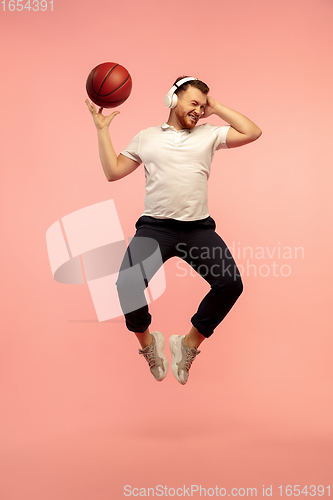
[165, 126]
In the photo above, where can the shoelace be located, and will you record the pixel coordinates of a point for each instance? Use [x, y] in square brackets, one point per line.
[149, 356]
[190, 356]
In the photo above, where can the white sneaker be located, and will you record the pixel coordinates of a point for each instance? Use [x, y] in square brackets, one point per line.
[182, 357]
[155, 356]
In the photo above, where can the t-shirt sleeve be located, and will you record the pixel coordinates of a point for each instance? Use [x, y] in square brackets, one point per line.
[221, 136]
[132, 150]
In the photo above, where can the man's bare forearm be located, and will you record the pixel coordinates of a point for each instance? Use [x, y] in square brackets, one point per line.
[237, 120]
[107, 153]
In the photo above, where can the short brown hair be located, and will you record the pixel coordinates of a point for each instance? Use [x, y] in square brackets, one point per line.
[198, 84]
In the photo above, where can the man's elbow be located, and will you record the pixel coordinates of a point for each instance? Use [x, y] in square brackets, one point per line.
[111, 177]
[256, 134]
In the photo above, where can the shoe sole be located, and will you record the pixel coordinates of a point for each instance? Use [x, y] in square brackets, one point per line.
[160, 344]
[173, 341]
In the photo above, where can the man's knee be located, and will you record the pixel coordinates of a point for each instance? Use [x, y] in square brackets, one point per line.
[233, 286]
[239, 286]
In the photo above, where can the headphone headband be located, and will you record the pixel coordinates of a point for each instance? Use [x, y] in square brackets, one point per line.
[171, 99]
[184, 80]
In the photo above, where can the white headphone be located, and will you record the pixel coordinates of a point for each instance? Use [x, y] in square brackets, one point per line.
[171, 99]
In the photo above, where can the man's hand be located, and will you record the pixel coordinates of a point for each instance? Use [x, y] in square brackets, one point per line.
[100, 120]
[242, 130]
[210, 107]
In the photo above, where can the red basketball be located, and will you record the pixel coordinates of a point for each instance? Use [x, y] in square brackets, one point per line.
[109, 85]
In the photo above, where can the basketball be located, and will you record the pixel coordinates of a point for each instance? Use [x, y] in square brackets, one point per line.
[109, 85]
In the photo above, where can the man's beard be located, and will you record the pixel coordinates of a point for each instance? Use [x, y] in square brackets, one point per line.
[184, 120]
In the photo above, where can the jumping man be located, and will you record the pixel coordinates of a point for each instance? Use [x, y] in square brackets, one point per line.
[177, 156]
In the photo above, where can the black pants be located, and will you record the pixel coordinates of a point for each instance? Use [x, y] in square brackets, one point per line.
[197, 243]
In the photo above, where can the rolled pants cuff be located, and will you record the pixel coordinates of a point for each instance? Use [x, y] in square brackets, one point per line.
[206, 332]
[136, 324]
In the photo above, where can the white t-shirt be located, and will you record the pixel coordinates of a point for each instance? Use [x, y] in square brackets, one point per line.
[177, 167]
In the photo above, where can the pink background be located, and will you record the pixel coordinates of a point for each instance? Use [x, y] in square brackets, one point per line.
[81, 415]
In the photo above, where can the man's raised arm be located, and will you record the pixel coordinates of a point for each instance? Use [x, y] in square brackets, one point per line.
[242, 130]
[115, 167]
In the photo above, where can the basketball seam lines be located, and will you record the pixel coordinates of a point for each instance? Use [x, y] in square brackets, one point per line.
[106, 76]
[105, 95]
[97, 93]
[92, 79]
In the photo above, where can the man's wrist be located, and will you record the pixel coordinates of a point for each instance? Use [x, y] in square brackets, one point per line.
[103, 131]
[218, 109]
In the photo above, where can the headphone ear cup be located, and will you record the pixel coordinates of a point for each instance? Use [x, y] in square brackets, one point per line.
[168, 100]
[171, 99]
[174, 100]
